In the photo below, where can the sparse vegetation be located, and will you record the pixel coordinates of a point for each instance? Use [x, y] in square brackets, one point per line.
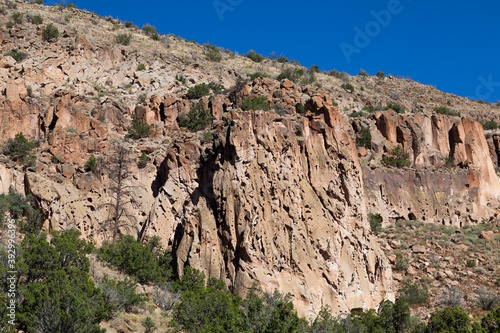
[257, 75]
[444, 110]
[490, 125]
[141, 67]
[380, 75]
[150, 31]
[487, 300]
[197, 119]
[397, 158]
[396, 107]
[282, 60]
[138, 129]
[291, 74]
[143, 160]
[17, 18]
[256, 103]
[213, 53]
[36, 19]
[123, 39]
[254, 56]
[50, 33]
[348, 87]
[402, 263]
[362, 72]
[17, 55]
[414, 293]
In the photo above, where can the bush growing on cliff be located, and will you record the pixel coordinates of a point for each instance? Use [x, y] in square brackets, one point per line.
[198, 91]
[143, 161]
[150, 31]
[291, 74]
[348, 87]
[414, 293]
[19, 149]
[213, 53]
[490, 125]
[36, 19]
[444, 110]
[364, 138]
[254, 56]
[396, 107]
[397, 158]
[375, 222]
[123, 39]
[138, 129]
[50, 33]
[17, 55]
[91, 164]
[198, 118]
[257, 103]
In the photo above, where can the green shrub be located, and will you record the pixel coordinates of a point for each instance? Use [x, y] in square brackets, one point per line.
[444, 110]
[143, 161]
[150, 31]
[364, 138]
[449, 320]
[71, 130]
[50, 33]
[39, 2]
[119, 295]
[257, 103]
[471, 263]
[397, 158]
[129, 24]
[300, 108]
[380, 74]
[142, 98]
[362, 72]
[91, 164]
[148, 261]
[487, 300]
[277, 94]
[58, 294]
[282, 60]
[402, 263]
[414, 293]
[291, 74]
[70, 5]
[356, 114]
[141, 67]
[54, 159]
[396, 107]
[348, 87]
[36, 19]
[375, 222]
[18, 149]
[198, 118]
[491, 322]
[490, 125]
[255, 57]
[123, 39]
[17, 18]
[138, 129]
[17, 55]
[198, 91]
[213, 53]
[217, 88]
[257, 75]
[207, 136]
[149, 325]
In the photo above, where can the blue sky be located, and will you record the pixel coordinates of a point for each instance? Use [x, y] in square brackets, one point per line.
[452, 45]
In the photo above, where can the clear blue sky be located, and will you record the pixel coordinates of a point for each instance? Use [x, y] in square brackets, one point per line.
[453, 45]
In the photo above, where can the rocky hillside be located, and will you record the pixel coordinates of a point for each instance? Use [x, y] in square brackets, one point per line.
[276, 187]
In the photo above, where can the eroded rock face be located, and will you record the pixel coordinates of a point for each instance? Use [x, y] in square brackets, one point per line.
[454, 182]
[279, 201]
